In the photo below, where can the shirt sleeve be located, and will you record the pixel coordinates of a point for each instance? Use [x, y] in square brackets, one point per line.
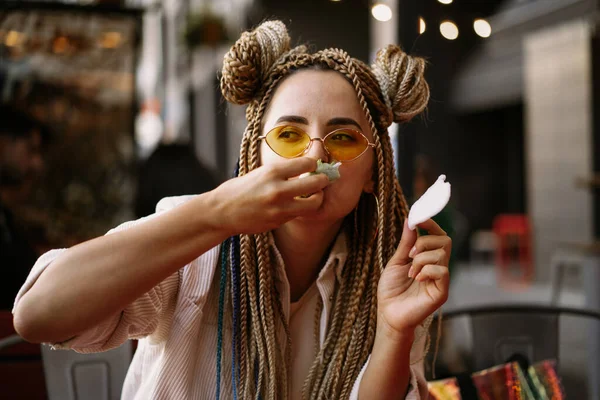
[417, 385]
[150, 314]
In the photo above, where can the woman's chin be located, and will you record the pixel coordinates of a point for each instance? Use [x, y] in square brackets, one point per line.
[319, 214]
[312, 217]
[325, 214]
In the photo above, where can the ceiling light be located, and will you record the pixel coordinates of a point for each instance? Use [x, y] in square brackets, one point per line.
[422, 25]
[449, 30]
[381, 12]
[482, 28]
[445, 1]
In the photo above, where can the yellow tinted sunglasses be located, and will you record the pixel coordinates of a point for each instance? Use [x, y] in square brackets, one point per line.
[342, 144]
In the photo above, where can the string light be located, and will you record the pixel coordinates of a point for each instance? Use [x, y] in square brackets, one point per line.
[449, 30]
[381, 12]
[422, 26]
[482, 28]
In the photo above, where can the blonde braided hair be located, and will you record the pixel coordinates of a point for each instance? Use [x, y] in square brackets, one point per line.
[393, 90]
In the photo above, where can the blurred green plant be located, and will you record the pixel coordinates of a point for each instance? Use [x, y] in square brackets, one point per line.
[205, 28]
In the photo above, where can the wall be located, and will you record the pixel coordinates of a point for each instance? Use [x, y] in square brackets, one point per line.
[558, 123]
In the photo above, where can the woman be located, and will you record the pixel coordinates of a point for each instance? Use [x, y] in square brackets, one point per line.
[269, 286]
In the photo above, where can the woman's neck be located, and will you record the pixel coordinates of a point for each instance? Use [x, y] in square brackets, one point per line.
[304, 247]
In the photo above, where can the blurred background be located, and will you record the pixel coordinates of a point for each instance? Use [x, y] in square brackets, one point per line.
[110, 105]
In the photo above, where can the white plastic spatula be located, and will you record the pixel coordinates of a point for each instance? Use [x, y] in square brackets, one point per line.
[430, 204]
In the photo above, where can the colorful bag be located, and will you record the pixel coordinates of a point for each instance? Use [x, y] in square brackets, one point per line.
[545, 380]
[511, 382]
[444, 389]
[499, 383]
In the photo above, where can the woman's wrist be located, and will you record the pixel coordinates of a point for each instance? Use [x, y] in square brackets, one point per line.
[210, 215]
[388, 373]
[392, 335]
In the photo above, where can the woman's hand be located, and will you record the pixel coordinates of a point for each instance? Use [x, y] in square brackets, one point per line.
[415, 281]
[266, 197]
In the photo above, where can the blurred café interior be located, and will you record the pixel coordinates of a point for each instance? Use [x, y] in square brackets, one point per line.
[124, 95]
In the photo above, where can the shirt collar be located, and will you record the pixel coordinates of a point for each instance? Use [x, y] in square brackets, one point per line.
[337, 256]
[336, 259]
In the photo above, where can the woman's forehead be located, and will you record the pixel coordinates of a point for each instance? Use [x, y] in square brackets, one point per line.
[315, 95]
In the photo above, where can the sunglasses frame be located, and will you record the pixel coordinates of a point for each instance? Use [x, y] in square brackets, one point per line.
[322, 140]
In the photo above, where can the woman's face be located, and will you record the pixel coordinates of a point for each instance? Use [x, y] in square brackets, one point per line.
[319, 102]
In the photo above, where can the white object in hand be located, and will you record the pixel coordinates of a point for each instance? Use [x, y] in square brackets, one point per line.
[330, 170]
[430, 203]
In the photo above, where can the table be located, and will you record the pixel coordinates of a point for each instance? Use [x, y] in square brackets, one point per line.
[586, 257]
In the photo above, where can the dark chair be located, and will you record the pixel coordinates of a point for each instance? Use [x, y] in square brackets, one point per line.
[493, 335]
[21, 367]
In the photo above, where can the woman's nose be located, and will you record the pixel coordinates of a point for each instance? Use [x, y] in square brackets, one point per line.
[317, 150]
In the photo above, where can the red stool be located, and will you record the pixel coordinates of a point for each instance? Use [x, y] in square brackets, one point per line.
[514, 247]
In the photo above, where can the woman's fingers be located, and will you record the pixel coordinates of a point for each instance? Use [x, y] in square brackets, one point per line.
[430, 249]
[437, 256]
[305, 186]
[431, 242]
[294, 167]
[301, 206]
[432, 227]
[407, 241]
[283, 179]
[270, 195]
[433, 272]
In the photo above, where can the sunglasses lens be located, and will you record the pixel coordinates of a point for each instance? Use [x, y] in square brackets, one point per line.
[287, 141]
[344, 145]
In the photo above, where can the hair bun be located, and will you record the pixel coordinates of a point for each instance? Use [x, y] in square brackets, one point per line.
[249, 60]
[402, 81]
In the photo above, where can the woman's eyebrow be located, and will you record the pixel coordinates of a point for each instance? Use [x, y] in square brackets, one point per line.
[292, 118]
[332, 122]
[343, 121]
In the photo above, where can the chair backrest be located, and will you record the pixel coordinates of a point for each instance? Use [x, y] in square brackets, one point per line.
[499, 332]
[74, 376]
[498, 336]
[530, 333]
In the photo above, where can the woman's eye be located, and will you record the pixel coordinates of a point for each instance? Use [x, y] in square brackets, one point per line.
[288, 135]
[343, 136]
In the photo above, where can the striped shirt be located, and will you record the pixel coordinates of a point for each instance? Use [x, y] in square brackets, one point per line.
[176, 324]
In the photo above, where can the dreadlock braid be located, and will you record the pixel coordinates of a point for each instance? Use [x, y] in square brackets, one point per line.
[401, 78]
[360, 329]
[249, 61]
[392, 90]
[265, 284]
